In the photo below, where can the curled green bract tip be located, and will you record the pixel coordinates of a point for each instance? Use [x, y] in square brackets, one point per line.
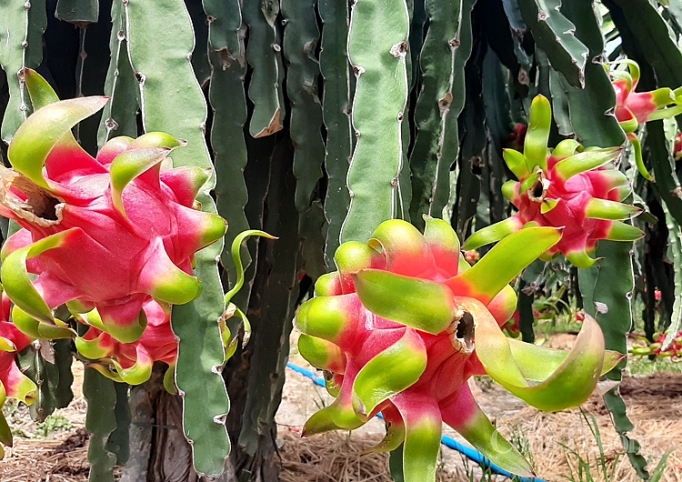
[236, 257]
[544, 378]
[37, 136]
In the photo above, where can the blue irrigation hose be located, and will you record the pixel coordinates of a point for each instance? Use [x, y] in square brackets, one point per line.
[471, 454]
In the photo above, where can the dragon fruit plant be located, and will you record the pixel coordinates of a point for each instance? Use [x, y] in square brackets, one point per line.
[571, 188]
[100, 233]
[405, 321]
[658, 347]
[635, 108]
[111, 238]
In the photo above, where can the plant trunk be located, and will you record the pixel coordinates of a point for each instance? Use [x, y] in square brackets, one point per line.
[159, 451]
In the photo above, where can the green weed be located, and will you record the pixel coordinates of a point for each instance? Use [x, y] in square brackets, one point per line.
[53, 423]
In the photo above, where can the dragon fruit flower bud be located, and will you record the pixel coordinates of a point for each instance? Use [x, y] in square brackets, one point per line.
[471, 256]
[111, 232]
[570, 188]
[405, 321]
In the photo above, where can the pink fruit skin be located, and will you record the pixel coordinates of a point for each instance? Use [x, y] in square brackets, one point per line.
[632, 104]
[111, 263]
[158, 343]
[450, 364]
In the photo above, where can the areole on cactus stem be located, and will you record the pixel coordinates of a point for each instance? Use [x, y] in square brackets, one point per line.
[109, 233]
[405, 321]
[571, 188]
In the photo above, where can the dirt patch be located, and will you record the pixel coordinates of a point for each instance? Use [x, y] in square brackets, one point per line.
[62, 459]
[557, 441]
[550, 440]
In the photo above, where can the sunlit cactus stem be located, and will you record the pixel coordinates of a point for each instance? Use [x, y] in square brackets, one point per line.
[378, 106]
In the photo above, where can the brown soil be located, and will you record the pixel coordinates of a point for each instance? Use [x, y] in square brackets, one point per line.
[654, 405]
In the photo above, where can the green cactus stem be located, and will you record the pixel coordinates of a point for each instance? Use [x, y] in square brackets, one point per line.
[555, 35]
[48, 363]
[160, 41]
[78, 12]
[437, 62]
[119, 117]
[100, 422]
[22, 25]
[118, 442]
[377, 49]
[301, 36]
[606, 289]
[336, 101]
[591, 107]
[278, 268]
[264, 56]
[227, 98]
[676, 249]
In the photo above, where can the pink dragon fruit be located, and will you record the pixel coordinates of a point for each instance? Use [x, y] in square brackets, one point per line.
[111, 232]
[131, 363]
[635, 108]
[13, 382]
[571, 188]
[405, 321]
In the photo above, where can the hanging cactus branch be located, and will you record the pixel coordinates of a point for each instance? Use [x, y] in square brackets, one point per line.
[377, 50]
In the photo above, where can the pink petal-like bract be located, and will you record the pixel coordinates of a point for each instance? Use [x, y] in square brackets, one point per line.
[128, 225]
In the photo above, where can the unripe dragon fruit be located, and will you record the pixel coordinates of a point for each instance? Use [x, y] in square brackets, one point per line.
[571, 188]
[405, 321]
[635, 108]
[13, 383]
[111, 232]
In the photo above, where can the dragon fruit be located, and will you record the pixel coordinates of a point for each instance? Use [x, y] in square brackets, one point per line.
[111, 232]
[13, 382]
[635, 108]
[571, 188]
[405, 321]
[131, 363]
